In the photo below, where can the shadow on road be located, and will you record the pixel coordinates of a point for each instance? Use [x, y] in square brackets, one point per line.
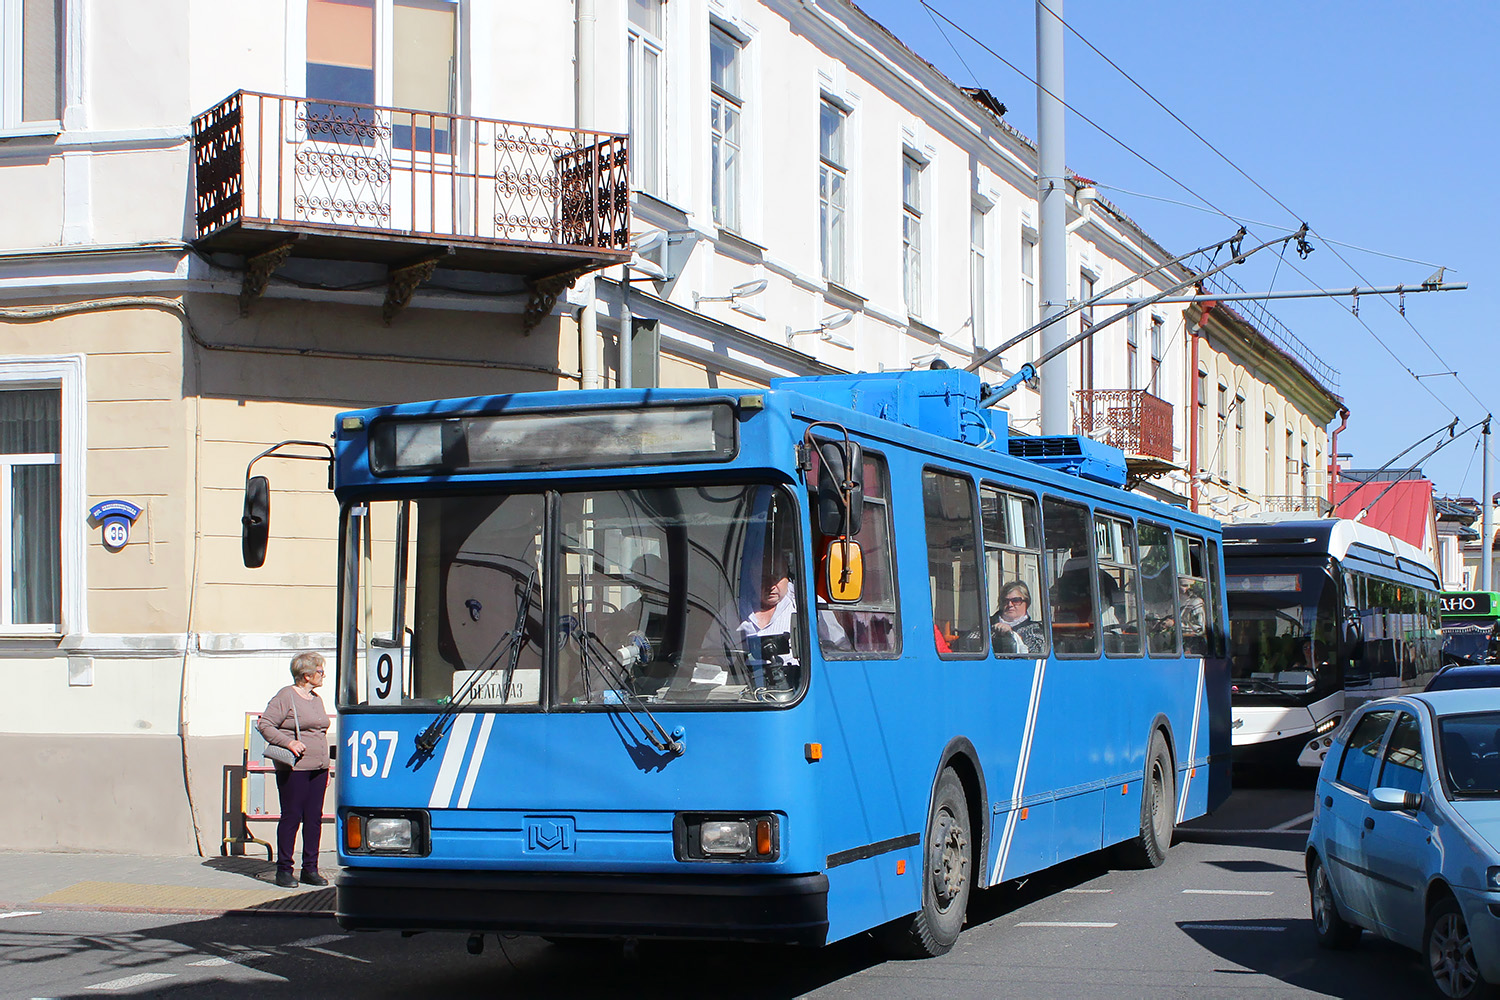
[1286, 951]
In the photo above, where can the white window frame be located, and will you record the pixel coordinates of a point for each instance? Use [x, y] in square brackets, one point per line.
[1028, 291]
[1270, 452]
[1132, 349]
[1240, 451]
[648, 129]
[913, 173]
[1158, 325]
[979, 279]
[727, 181]
[833, 241]
[64, 372]
[1223, 429]
[12, 121]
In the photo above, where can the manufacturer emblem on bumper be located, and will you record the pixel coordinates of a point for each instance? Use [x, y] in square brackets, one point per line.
[550, 833]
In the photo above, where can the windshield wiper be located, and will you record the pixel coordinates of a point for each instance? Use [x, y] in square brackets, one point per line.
[509, 643]
[669, 742]
[1259, 686]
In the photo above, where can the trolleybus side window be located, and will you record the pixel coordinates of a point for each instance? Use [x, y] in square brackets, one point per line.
[1120, 609]
[872, 625]
[1013, 572]
[1219, 633]
[1073, 577]
[1194, 611]
[953, 563]
[1159, 589]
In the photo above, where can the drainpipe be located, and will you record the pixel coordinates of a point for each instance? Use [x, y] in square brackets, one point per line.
[1333, 457]
[583, 99]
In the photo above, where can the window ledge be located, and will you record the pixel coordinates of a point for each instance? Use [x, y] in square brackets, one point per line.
[733, 239]
[32, 130]
[843, 296]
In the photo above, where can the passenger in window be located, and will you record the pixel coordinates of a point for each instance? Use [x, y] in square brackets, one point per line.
[1012, 627]
[1191, 610]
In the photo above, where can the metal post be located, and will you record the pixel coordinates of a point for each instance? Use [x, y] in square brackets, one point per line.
[625, 372]
[1486, 504]
[1052, 210]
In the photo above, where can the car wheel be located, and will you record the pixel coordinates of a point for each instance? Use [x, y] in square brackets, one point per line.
[1333, 931]
[947, 872]
[1450, 953]
[1158, 809]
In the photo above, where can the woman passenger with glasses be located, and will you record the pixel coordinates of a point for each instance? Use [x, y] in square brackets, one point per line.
[1012, 627]
[296, 719]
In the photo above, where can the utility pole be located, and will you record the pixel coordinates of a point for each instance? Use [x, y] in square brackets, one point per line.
[1052, 206]
[1486, 504]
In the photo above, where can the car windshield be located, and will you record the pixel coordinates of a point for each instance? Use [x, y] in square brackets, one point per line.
[1281, 631]
[1470, 746]
[608, 598]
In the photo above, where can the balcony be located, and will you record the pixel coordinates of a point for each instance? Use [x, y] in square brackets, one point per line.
[280, 176]
[1131, 420]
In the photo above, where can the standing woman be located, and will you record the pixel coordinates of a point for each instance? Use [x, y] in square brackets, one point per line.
[296, 719]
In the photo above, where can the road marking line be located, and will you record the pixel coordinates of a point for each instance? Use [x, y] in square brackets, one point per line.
[313, 942]
[1228, 892]
[1282, 827]
[338, 954]
[19, 913]
[138, 979]
[1228, 927]
[1088, 890]
[211, 963]
[1066, 923]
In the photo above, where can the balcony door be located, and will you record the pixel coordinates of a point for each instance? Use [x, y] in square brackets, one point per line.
[374, 143]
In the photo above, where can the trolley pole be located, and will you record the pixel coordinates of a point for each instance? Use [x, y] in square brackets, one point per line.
[1052, 202]
[1486, 506]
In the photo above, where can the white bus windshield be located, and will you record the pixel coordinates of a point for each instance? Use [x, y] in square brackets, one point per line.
[1282, 623]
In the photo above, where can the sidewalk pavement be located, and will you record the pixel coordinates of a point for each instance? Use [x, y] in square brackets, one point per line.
[132, 883]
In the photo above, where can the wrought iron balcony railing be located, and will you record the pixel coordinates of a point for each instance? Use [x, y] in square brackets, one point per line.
[1131, 420]
[359, 182]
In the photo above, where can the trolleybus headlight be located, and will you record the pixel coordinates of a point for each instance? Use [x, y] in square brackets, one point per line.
[386, 833]
[726, 837]
[1327, 725]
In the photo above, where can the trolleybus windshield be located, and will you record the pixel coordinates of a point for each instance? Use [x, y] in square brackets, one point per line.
[1282, 623]
[667, 596]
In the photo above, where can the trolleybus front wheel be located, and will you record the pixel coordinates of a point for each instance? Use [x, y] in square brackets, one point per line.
[1158, 808]
[947, 855]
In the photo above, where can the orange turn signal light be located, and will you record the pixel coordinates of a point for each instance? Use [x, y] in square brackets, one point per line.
[354, 832]
[813, 752]
[763, 837]
[901, 867]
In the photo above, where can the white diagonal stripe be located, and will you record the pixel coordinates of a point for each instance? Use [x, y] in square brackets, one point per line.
[313, 942]
[1022, 763]
[476, 761]
[139, 979]
[1187, 776]
[453, 760]
[19, 913]
[1067, 923]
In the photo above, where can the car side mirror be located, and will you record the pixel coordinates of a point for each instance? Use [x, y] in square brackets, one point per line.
[255, 523]
[1395, 800]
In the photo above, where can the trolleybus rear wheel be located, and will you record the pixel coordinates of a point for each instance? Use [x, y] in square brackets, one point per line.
[1158, 808]
[947, 869]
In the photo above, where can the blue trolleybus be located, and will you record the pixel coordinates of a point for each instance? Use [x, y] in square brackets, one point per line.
[1324, 614]
[782, 665]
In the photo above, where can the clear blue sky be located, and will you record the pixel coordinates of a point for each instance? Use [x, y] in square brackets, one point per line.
[1373, 120]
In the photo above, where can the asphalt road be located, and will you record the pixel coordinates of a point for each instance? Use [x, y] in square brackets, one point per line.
[1226, 916]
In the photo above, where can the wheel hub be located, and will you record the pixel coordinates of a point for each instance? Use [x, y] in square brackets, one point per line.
[950, 870]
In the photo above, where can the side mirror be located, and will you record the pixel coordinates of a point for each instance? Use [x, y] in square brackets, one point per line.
[840, 514]
[842, 572]
[1394, 800]
[255, 523]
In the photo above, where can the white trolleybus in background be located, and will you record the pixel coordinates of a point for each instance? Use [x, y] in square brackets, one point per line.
[1323, 614]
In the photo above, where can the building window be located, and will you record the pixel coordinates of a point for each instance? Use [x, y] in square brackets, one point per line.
[1204, 455]
[832, 182]
[1132, 349]
[1291, 466]
[1222, 445]
[1270, 483]
[647, 78]
[40, 423]
[418, 73]
[1028, 293]
[1239, 440]
[1306, 479]
[911, 233]
[31, 41]
[978, 282]
[726, 108]
[1156, 355]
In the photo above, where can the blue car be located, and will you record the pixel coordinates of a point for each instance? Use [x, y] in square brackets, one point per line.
[1405, 833]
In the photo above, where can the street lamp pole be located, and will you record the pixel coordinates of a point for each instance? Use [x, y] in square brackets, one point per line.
[1052, 210]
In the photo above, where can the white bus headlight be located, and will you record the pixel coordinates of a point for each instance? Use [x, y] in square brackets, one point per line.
[725, 836]
[388, 833]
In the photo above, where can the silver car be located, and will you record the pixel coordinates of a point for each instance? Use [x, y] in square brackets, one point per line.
[1405, 839]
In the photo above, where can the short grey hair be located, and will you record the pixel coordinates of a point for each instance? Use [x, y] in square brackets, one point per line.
[305, 665]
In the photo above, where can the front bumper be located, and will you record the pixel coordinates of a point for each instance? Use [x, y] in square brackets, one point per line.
[785, 909]
[1482, 916]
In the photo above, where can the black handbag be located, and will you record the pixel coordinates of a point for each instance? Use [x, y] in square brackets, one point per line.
[280, 754]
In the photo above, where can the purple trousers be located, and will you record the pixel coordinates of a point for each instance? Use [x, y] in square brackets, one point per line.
[301, 805]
